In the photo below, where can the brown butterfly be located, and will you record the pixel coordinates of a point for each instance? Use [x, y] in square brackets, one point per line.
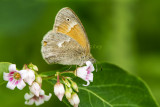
[67, 43]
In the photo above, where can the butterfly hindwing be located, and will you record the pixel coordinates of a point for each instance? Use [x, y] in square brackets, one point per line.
[60, 48]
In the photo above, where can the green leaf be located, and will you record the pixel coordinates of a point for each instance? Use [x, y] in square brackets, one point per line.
[114, 87]
[3, 68]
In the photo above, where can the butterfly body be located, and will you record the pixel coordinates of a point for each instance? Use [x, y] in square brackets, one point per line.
[67, 43]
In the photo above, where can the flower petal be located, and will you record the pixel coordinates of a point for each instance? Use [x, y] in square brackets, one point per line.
[82, 72]
[75, 99]
[60, 96]
[87, 83]
[35, 88]
[30, 102]
[23, 73]
[42, 92]
[21, 85]
[47, 97]
[71, 101]
[39, 101]
[5, 76]
[28, 96]
[90, 77]
[12, 67]
[29, 77]
[11, 85]
[90, 66]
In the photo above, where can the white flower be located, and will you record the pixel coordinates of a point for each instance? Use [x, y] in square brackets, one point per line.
[85, 72]
[29, 76]
[35, 89]
[14, 78]
[59, 90]
[74, 100]
[31, 98]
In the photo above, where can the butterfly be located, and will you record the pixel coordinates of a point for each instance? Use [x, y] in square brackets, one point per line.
[67, 43]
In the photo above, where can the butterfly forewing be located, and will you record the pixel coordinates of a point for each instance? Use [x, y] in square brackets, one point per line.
[68, 23]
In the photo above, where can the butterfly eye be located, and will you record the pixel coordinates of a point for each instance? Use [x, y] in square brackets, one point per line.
[44, 43]
[67, 19]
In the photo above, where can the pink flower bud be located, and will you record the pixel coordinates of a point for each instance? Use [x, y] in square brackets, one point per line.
[59, 90]
[35, 89]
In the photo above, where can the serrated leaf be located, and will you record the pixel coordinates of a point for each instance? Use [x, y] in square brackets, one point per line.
[3, 68]
[114, 87]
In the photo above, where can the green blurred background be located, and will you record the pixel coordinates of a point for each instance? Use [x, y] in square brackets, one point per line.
[122, 32]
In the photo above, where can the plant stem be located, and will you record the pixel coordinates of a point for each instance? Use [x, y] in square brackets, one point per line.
[58, 78]
[67, 72]
[47, 77]
[44, 77]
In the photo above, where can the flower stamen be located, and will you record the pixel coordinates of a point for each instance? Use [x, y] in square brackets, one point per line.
[17, 76]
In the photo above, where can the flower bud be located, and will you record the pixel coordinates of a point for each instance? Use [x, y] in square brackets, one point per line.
[71, 101]
[59, 90]
[74, 100]
[39, 80]
[68, 94]
[75, 87]
[67, 83]
[35, 88]
[33, 67]
[70, 89]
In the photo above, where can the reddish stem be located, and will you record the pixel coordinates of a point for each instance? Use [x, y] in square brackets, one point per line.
[58, 78]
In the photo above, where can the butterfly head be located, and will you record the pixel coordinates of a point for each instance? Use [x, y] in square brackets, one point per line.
[84, 59]
[90, 58]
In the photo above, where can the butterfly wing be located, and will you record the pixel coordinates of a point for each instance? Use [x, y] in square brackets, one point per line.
[68, 23]
[62, 49]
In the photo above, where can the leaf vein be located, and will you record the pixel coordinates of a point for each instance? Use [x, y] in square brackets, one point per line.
[131, 105]
[90, 99]
[118, 85]
[96, 96]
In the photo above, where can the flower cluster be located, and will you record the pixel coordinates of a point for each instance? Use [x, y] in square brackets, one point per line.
[69, 91]
[71, 88]
[19, 78]
[64, 86]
